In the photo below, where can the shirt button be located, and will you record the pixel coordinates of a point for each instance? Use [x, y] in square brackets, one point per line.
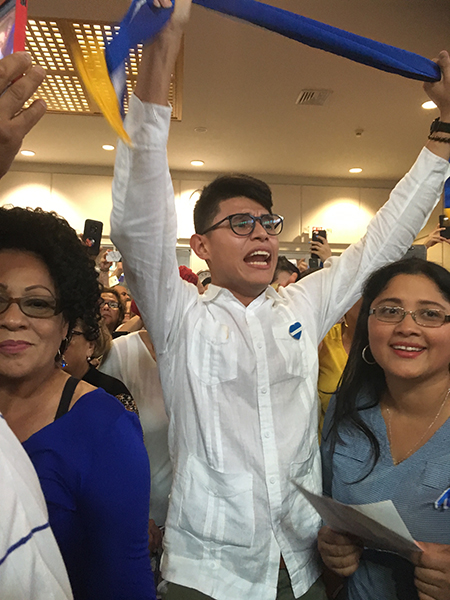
[272, 479]
[267, 434]
[263, 391]
[213, 564]
[259, 345]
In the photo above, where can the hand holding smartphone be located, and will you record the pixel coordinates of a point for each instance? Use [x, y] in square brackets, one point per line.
[444, 221]
[92, 236]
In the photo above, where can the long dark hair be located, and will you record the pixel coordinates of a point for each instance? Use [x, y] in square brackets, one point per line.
[358, 376]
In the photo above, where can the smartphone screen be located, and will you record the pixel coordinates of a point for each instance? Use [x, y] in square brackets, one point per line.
[444, 221]
[315, 233]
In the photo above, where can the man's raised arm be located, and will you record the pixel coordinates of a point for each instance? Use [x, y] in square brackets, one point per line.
[332, 291]
[158, 59]
[143, 220]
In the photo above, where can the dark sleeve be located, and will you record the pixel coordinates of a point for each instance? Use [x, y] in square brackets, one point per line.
[112, 386]
[115, 511]
[326, 451]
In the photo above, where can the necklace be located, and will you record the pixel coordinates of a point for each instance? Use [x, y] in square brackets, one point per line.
[388, 413]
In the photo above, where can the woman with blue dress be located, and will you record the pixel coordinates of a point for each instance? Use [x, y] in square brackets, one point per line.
[87, 450]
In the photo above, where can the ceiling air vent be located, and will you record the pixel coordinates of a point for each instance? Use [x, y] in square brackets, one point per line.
[313, 97]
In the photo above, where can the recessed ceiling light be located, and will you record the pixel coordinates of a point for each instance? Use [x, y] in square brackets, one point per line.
[28, 153]
[429, 105]
[108, 147]
[197, 163]
[355, 170]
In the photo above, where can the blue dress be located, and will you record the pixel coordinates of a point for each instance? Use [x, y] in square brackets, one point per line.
[413, 486]
[94, 472]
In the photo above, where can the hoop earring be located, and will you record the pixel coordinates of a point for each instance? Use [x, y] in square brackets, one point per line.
[60, 358]
[363, 354]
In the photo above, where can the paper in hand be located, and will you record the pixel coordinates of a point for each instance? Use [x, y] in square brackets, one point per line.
[378, 525]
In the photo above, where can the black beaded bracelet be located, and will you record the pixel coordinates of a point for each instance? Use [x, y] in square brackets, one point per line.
[436, 138]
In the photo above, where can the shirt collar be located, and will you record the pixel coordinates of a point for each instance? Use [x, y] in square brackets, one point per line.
[214, 291]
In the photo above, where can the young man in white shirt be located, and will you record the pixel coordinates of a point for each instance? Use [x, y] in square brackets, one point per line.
[238, 365]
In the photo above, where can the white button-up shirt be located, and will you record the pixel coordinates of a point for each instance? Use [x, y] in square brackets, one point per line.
[240, 382]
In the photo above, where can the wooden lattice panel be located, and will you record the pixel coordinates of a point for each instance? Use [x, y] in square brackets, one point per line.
[50, 41]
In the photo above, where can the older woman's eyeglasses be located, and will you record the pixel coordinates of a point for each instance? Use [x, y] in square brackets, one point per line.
[425, 317]
[37, 307]
[244, 223]
[110, 303]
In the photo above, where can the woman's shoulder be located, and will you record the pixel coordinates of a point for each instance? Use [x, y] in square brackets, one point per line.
[96, 403]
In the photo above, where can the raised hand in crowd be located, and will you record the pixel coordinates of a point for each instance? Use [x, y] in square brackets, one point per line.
[321, 248]
[435, 237]
[18, 82]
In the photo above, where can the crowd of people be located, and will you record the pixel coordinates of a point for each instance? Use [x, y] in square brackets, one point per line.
[153, 437]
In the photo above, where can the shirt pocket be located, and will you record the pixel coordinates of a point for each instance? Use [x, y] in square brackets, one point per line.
[293, 350]
[217, 506]
[436, 475]
[213, 356]
[351, 461]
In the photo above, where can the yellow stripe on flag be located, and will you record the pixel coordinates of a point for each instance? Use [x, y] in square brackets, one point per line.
[91, 65]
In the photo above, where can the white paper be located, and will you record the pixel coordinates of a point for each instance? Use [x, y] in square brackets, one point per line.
[378, 525]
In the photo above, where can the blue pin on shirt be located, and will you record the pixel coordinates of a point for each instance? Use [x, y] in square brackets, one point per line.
[295, 330]
[443, 502]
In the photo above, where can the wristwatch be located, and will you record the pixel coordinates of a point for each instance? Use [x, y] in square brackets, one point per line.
[438, 125]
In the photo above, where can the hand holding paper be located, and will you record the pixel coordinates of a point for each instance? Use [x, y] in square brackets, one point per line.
[377, 525]
[432, 573]
[340, 552]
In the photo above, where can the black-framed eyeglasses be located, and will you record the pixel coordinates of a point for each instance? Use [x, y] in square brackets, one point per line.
[425, 317]
[110, 303]
[244, 223]
[38, 307]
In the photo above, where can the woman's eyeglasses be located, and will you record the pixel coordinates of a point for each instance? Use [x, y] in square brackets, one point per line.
[37, 307]
[244, 223]
[110, 303]
[425, 317]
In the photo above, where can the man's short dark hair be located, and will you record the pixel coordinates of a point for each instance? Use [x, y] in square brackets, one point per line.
[283, 264]
[224, 188]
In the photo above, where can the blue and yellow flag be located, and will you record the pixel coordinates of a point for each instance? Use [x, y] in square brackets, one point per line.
[104, 74]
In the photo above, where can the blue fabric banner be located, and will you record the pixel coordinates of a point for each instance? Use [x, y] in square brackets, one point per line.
[143, 22]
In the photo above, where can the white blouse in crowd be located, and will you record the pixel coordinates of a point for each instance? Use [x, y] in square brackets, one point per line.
[130, 361]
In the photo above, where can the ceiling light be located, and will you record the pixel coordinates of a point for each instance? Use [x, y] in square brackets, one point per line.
[429, 105]
[355, 170]
[197, 163]
[108, 147]
[28, 153]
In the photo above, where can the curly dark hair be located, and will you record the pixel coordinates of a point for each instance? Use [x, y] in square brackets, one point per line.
[50, 237]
